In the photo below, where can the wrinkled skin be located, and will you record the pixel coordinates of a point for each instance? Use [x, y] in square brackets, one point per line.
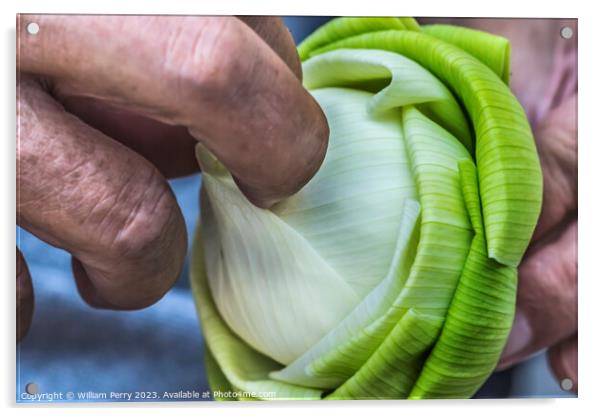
[544, 78]
[102, 124]
[111, 106]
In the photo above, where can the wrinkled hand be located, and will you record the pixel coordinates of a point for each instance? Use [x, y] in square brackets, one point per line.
[109, 107]
[544, 77]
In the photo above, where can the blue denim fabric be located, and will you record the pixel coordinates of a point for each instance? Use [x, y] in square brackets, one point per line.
[73, 348]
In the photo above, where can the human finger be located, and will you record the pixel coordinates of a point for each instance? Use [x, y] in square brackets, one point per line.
[88, 194]
[213, 75]
[556, 138]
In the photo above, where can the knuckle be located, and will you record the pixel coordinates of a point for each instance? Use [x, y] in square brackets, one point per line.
[147, 239]
[206, 57]
[144, 222]
[127, 216]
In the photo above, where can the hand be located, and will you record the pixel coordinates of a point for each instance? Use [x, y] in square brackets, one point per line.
[109, 107]
[544, 78]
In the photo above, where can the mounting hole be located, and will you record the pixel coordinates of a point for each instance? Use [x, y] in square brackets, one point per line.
[566, 384]
[31, 388]
[33, 28]
[566, 32]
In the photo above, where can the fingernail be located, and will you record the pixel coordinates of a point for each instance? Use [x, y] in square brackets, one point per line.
[520, 337]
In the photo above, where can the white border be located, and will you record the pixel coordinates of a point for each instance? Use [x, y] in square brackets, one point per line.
[589, 184]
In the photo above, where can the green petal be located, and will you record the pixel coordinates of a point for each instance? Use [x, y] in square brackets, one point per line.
[479, 320]
[217, 380]
[410, 23]
[343, 27]
[253, 254]
[244, 368]
[510, 179]
[492, 50]
[392, 370]
[350, 212]
[419, 310]
[346, 348]
[475, 330]
[408, 83]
